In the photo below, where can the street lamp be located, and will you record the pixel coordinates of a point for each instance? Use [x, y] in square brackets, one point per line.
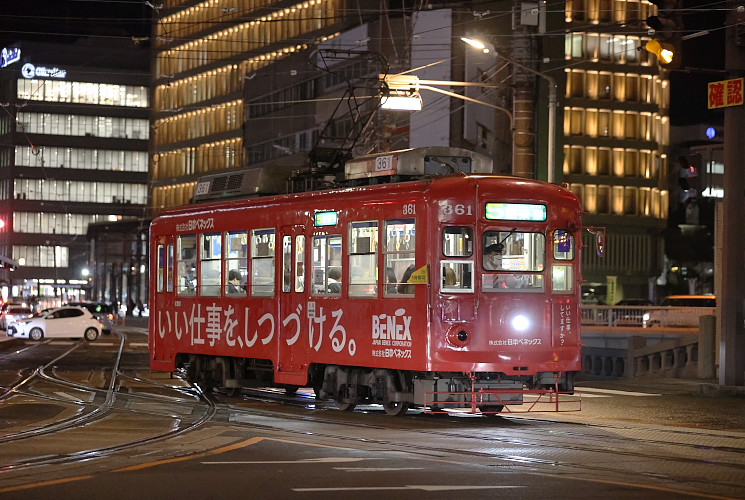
[488, 48]
[403, 92]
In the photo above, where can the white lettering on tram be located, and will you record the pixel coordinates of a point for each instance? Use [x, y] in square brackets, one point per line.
[394, 330]
[217, 325]
[196, 225]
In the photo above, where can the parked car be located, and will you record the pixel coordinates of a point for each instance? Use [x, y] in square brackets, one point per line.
[105, 313]
[630, 311]
[681, 310]
[65, 321]
[13, 312]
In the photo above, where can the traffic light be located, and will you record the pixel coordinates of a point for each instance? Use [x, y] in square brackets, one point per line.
[665, 28]
[665, 52]
[689, 176]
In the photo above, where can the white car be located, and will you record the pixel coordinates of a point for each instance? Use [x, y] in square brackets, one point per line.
[680, 311]
[66, 321]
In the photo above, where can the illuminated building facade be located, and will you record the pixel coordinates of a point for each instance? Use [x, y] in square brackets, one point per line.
[616, 131]
[73, 152]
[227, 93]
[205, 53]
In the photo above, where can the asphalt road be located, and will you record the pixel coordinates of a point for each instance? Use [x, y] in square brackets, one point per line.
[89, 420]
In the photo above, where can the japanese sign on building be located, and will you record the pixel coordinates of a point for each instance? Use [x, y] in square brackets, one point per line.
[726, 93]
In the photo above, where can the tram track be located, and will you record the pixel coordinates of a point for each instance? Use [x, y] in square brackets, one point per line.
[535, 444]
[619, 450]
[96, 412]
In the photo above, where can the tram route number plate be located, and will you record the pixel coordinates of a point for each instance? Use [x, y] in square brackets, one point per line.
[202, 188]
[383, 163]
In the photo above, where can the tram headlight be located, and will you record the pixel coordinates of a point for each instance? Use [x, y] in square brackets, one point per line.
[520, 322]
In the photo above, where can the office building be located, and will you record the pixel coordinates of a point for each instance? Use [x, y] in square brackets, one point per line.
[73, 151]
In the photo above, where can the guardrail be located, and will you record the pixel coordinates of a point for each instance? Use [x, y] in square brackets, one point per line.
[643, 353]
[658, 316]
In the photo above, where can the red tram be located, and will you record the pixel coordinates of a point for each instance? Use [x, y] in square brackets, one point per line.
[452, 291]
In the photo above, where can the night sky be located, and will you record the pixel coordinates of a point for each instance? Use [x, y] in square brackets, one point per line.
[117, 21]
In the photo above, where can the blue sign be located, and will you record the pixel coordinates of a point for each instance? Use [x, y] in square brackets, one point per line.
[9, 55]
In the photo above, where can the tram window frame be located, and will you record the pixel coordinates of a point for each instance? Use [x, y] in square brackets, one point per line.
[170, 255]
[236, 259]
[186, 265]
[562, 278]
[511, 244]
[563, 237]
[263, 262]
[160, 252]
[460, 280]
[393, 257]
[287, 263]
[363, 259]
[210, 264]
[465, 239]
[299, 263]
[326, 258]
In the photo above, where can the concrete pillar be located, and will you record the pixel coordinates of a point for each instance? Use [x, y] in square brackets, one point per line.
[706, 343]
[635, 366]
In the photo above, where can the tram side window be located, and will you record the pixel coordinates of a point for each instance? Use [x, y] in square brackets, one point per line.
[186, 272]
[457, 241]
[363, 260]
[563, 245]
[399, 253]
[169, 269]
[262, 262]
[287, 263]
[161, 253]
[236, 263]
[562, 275]
[327, 265]
[210, 261]
[300, 263]
[457, 276]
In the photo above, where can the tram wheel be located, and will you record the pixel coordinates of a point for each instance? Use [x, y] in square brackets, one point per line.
[396, 409]
[291, 390]
[232, 392]
[345, 406]
[491, 410]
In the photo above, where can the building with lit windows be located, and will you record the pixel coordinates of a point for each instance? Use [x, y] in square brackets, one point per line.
[73, 151]
[616, 132]
[230, 90]
[233, 86]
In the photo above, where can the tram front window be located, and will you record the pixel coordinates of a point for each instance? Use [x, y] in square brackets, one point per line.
[513, 261]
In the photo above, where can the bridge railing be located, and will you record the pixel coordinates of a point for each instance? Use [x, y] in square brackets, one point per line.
[658, 316]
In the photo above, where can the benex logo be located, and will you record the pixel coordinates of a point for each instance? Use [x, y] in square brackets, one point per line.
[395, 327]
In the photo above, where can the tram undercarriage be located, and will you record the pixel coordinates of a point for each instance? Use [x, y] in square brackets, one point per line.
[395, 390]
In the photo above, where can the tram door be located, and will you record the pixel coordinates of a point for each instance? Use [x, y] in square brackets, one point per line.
[291, 299]
[163, 270]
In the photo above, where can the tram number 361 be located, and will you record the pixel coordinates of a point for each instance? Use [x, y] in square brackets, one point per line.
[458, 209]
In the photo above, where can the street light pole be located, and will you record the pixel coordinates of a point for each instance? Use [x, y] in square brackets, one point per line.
[552, 102]
[732, 300]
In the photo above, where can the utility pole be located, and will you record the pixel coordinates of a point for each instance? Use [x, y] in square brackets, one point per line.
[732, 300]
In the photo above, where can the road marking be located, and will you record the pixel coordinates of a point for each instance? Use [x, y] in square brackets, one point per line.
[376, 469]
[303, 461]
[43, 483]
[422, 487]
[583, 390]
